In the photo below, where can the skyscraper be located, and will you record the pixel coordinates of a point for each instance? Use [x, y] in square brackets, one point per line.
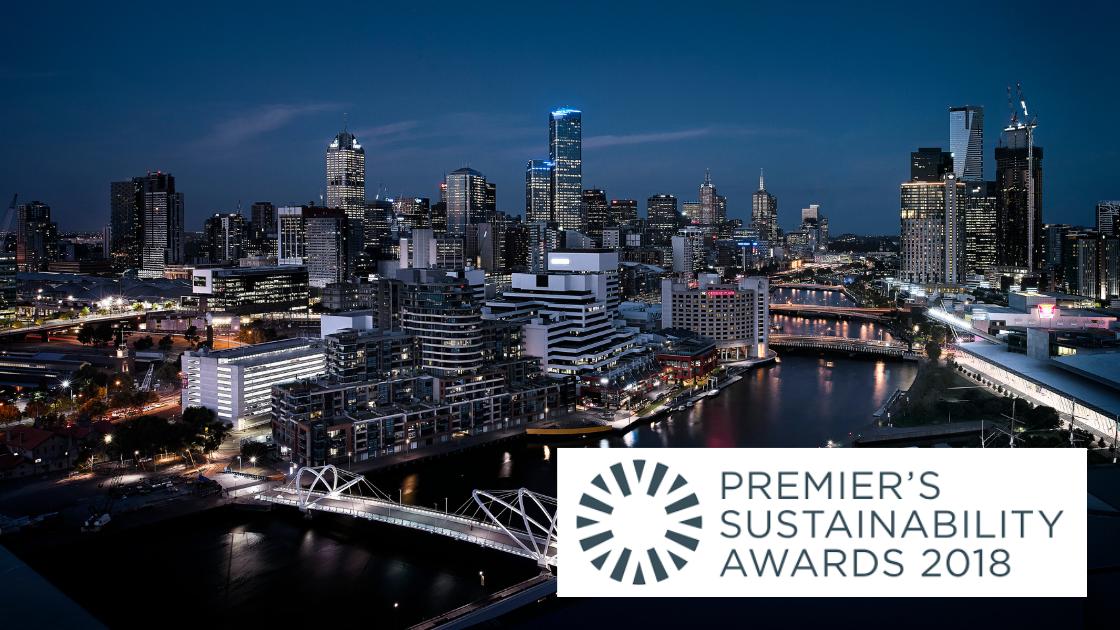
[565, 150]
[36, 237]
[622, 212]
[713, 208]
[126, 224]
[932, 218]
[662, 217]
[981, 202]
[466, 200]
[1019, 186]
[225, 238]
[595, 212]
[966, 142]
[764, 212]
[162, 218]
[346, 175]
[538, 191]
[262, 217]
[928, 164]
[1108, 218]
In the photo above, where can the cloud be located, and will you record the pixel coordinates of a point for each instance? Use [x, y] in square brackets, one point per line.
[234, 131]
[387, 131]
[599, 142]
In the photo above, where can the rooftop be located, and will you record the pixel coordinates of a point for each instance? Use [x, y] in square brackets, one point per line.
[1088, 391]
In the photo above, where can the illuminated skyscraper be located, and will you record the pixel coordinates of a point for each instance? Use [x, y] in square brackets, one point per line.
[932, 213]
[36, 237]
[662, 217]
[764, 212]
[565, 150]
[126, 224]
[1108, 218]
[346, 175]
[466, 200]
[622, 212]
[1019, 186]
[595, 212]
[980, 226]
[713, 208]
[162, 217]
[966, 142]
[538, 191]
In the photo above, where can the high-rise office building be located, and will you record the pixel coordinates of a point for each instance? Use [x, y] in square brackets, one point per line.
[346, 175]
[595, 212]
[713, 207]
[262, 219]
[932, 214]
[490, 202]
[981, 202]
[662, 217]
[126, 224]
[966, 142]
[764, 212]
[413, 212]
[466, 200]
[538, 191]
[622, 212]
[929, 164]
[163, 224]
[565, 151]
[224, 236]
[328, 236]
[36, 237]
[691, 212]
[1019, 187]
[1108, 218]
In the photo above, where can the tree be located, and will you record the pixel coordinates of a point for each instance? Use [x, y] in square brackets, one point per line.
[933, 350]
[85, 334]
[144, 343]
[205, 431]
[168, 371]
[191, 334]
[9, 413]
[260, 450]
[1041, 419]
[166, 342]
[103, 333]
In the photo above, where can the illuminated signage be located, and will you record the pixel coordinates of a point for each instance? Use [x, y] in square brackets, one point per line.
[1047, 311]
[560, 261]
[720, 293]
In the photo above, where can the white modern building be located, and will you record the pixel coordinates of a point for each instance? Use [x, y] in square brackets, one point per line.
[735, 315]
[237, 383]
[569, 315]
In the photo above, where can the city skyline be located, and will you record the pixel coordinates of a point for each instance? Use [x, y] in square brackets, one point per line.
[229, 147]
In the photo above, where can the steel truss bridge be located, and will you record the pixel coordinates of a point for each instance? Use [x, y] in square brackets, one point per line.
[844, 344]
[519, 522]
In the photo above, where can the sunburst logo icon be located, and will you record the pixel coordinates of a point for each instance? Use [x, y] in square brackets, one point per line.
[636, 524]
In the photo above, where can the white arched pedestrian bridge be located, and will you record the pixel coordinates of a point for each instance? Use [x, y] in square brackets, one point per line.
[519, 522]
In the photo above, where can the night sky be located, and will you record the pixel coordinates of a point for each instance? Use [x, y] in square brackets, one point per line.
[239, 103]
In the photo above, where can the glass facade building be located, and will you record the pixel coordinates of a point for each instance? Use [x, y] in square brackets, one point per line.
[966, 142]
[538, 191]
[466, 200]
[565, 150]
[346, 175]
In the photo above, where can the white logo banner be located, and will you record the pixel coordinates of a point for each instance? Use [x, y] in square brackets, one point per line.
[821, 522]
